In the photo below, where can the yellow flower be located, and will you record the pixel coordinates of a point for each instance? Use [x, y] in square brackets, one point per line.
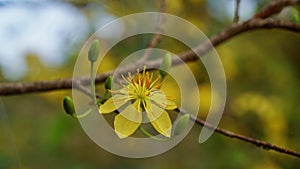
[141, 97]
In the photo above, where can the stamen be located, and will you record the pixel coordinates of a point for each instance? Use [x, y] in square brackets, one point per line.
[123, 77]
[144, 104]
[129, 75]
[153, 83]
[115, 91]
[157, 86]
[170, 98]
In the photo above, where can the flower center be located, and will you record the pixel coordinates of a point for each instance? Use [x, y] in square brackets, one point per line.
[141, 85]
[142, 92]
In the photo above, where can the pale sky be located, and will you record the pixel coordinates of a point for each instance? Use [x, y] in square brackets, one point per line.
[224, 9]
[47, 30]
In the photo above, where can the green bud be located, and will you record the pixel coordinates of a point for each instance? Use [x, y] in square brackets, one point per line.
[181, 124]
[94, 51]
[166, 64]
[69, 106]
[108, 82]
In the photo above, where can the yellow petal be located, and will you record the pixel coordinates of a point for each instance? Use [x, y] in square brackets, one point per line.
[133, 112]
[160, 120]
[160, 99]
[113, 104]
[125, 126]
[170, 105]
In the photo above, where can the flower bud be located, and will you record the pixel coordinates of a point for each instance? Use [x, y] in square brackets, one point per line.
[181, 124]
[94, 51]
[166, 64]
[69, 106]
[108, 82]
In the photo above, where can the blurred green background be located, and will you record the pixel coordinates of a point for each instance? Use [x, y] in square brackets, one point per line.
[40, 40]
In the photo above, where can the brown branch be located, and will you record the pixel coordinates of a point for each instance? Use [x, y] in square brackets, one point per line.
[235, 30]
[259, 143]
[236, 17]
[187, 56]
[79, 86]
[227, 33]
[275, 7]
[38, 86]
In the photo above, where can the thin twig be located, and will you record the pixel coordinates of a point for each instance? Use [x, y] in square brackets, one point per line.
[236, 17]
[187, 56]
[259, 143]
[155, 39]
[79, 86]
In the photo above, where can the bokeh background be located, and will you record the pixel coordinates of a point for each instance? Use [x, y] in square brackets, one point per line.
[40, 40]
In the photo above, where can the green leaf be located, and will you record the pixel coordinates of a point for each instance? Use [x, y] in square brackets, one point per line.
[108, 82]
[166, 64]
[181, 123]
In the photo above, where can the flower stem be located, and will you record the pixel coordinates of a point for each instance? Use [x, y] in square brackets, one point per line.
[82, 115]
[151, 136]
[92, 81]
